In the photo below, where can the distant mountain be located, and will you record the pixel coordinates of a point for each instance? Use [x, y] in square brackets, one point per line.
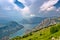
[4, 20]
[48, 21]
[45, 23]
[8, 29]
[33, 20]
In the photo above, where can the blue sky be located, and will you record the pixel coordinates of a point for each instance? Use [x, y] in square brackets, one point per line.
[29, 8]
[57, 5]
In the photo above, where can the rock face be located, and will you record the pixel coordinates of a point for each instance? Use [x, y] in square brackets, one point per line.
[8, 29]
[46, 22]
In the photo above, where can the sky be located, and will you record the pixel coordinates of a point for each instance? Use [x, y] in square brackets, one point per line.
[16, 10]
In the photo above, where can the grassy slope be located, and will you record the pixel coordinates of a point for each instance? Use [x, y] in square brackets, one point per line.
[43, 34]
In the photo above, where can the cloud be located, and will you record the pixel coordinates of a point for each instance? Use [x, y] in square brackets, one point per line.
[35, 6]
[8, 8]
[32, 15]
[29, 2]
[32, 8]
[57, 5]
[23, 1]
[11, 1]
[5, 4]
[48, 5]
[44, 8]
[25, 12]
[58, 10]
[51, 8]
[11, 10]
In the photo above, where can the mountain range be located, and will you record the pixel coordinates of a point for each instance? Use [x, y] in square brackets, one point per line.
[33, 20]
[8, 29]
[45, 23]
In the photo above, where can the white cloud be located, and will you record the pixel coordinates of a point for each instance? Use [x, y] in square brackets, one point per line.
[33, 8]
[51, 8]
[25, 11]
[7, 8]
[32, 15]
[11, 1]
[23, 1]
[15, 7]
[48, 5]
[27, 2]
[58, 10]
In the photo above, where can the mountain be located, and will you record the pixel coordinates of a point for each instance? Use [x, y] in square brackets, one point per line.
[45, 23]
[50, 33]
[8, 29]
[4, 20]
[33, 20]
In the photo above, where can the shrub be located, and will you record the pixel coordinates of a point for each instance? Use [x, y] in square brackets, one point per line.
[30, 33]
[16, 38]
[41, 34]
[58, 26]
[29, 39]
[53, 29]
[25, 36]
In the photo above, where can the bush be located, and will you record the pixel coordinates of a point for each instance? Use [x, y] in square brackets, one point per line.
[58, 26]
[25, 36]
[29, 39]
[16, 38]
[41, 34]
[30, 34]
[53, 29]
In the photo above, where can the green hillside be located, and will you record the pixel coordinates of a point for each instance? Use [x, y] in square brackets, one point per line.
[49, 33]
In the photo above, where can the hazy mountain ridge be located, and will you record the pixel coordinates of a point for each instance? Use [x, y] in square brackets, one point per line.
[45, 23]
[33, 20]
[8, 29]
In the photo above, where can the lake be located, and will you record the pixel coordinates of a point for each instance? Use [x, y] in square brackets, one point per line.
[22, 31]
